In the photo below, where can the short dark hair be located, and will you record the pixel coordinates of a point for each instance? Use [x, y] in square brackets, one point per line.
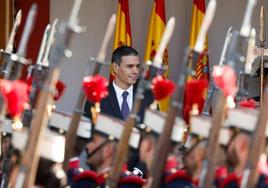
[122, 51]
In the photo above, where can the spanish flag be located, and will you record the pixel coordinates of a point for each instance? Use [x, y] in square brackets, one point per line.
[123, 30]
[156, 30]
[202, 66]
[198, 13]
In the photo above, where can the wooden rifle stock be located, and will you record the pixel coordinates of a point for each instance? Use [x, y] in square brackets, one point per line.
[174, 109]
[235, 57]
[122, 148]
[262, 39]
[71, 134]
[39, 124]
[250, 175]
[208, 169]
[38, 78]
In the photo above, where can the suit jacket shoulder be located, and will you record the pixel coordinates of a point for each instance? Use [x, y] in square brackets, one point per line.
[108, 105]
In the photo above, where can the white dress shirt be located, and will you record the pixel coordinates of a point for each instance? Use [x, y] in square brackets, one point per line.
[119, 92]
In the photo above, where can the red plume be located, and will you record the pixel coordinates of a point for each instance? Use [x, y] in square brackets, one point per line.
[16, 95]
[195, 93]
[60, 88]
[95, 88]
[162, 88]
[225, 78]
[248, 103]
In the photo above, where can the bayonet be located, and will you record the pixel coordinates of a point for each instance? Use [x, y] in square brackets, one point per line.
[50, 40]
[235, 58]
[257, 143]
[43, 44]
[246, 26]
[177, 104]
[19, 57]
[211, 89]
[225, 46]
[71, 134]
[17, 22]
[45, 98]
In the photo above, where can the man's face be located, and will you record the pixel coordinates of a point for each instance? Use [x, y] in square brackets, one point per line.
[128, 71]
[237, 149]
[194, 158]
[95, 160]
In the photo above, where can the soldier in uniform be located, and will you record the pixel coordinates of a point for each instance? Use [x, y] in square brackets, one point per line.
[102, 149]
[60, 121]
[196, 150]
[238, 149]
[151, 133]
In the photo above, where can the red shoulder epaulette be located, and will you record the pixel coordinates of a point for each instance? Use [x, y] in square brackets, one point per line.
[231, 178]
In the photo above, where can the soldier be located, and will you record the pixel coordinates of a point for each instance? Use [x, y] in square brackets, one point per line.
[60, 122]
[238, 148]
[49, 172]
[196, 150]
[152, 131]
[102, 149]
[6, 150]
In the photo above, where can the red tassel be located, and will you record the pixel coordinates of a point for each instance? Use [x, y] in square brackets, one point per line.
[162, 88]
[60, 88]
[195, 93]
[248, 103]
[95, 88]
[16, 95]
[225, 78]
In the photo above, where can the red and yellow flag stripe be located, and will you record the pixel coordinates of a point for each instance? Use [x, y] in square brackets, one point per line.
[123, 30]
[198, 13]
[156, 29]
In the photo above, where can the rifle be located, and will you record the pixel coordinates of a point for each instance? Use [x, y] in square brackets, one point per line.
[177, 103]
[19, 56]
[40, 120]
[262, 45]
[216, 119]
[250, 175]
[71, 134]
[257, 143]
[212, 87]
[235, 58]
[39, 71]
[144, 83]
[9, 47]
[7, 53]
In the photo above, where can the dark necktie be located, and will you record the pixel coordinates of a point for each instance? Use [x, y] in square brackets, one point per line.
[125, 108]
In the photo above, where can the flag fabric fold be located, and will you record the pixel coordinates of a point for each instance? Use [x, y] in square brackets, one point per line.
[198, 13]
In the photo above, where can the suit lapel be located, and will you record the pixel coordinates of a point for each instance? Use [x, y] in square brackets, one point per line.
[113, 101]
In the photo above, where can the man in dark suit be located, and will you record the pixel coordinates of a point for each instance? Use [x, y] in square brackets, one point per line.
[126, 67]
